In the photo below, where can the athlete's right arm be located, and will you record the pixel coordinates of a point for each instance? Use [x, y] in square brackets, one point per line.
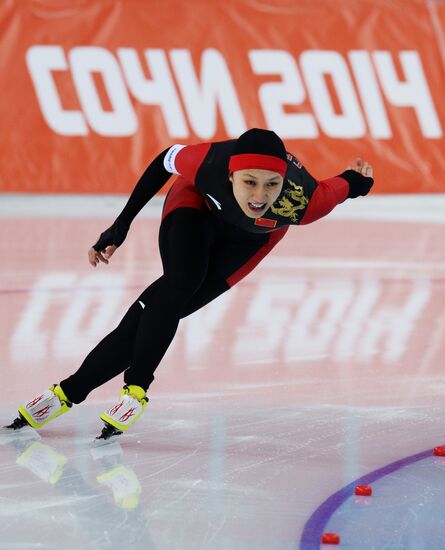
[151, 181]
[178, 159]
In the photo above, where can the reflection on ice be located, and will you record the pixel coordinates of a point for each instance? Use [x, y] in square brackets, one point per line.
[58, 494]
[212, 474]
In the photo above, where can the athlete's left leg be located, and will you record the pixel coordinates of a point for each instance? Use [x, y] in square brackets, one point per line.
[110, 357]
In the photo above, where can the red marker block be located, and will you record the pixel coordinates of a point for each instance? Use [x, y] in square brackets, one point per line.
[439, 451]
[363, 490]
[330, 538]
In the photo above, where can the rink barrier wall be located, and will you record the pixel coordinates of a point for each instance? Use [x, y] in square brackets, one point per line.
[92, 91]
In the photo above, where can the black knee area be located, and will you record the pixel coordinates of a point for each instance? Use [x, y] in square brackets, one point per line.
[172, 297]
[128, 325]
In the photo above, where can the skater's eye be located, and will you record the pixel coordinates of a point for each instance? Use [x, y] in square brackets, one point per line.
[250, 182]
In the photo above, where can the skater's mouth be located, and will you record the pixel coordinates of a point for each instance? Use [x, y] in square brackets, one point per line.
[257, 206]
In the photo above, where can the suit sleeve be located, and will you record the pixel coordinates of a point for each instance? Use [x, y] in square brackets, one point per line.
[327, 195]
[185, 160]
[179, 159]
[151, 181]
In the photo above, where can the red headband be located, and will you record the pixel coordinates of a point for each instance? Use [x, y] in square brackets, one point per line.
[260, 162]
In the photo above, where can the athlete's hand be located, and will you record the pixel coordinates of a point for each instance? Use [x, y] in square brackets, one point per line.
[97, 256]
[359, 177]
[107, 243]
[364, 168]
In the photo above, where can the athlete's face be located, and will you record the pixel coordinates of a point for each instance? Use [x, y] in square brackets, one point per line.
[256, 190]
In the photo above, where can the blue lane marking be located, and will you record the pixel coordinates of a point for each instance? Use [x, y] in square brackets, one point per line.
[314, 527]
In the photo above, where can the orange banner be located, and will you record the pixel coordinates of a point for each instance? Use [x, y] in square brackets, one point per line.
[91, 91]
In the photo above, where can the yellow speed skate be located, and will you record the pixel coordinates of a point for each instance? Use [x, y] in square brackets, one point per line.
[42, 409]
[118, 418]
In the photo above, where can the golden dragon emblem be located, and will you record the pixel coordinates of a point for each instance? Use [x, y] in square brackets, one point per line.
[292, 201]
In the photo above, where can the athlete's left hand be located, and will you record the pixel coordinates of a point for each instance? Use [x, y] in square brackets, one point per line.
[364, 168]
[359, 177]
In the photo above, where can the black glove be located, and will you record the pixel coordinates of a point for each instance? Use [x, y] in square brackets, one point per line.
[359, 185]
[114, 235]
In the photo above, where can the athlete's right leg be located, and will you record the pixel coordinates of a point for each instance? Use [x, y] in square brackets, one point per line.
[185, 239]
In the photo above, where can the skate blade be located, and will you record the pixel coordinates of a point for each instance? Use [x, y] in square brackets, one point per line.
[26, 433]
[108, 435]
[101, 442]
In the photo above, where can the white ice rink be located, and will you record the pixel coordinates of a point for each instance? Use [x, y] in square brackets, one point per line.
[322, 370]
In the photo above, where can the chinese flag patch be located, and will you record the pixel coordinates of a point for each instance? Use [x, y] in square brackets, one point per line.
[264, 222]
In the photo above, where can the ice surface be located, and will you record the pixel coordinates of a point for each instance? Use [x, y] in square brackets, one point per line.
[323, 368]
